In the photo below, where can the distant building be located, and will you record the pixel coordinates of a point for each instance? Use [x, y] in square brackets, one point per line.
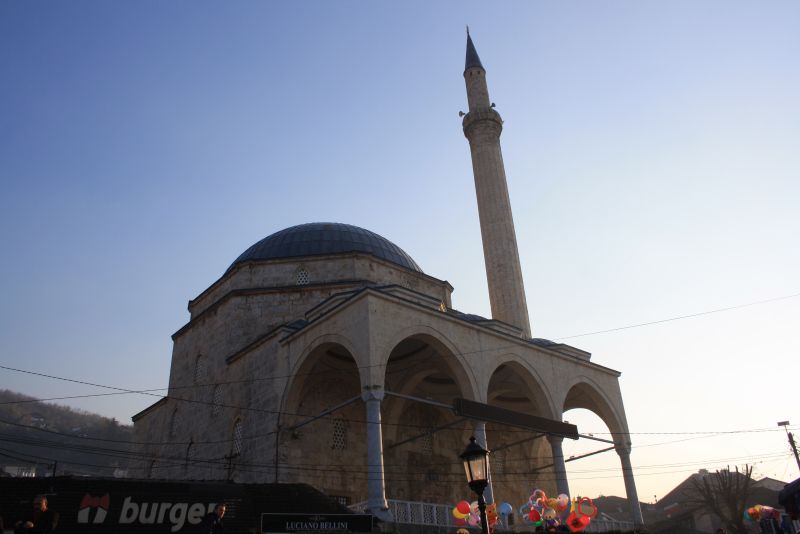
[680, 510]
[120, 473]
[23, 471]
[325, 355]
[36, 419]
[770, 484]
[612, 508]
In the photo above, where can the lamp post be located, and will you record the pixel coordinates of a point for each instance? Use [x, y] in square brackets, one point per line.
[476, 466]
[785, 424]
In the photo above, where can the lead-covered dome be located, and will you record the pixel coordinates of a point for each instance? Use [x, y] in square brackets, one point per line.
[315, 239]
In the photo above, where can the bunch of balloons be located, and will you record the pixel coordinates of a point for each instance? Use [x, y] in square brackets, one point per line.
[467, 513]
[549, 512]
[543, 511]
[758, 512]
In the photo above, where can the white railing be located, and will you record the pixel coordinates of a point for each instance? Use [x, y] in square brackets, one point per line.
[415, 513]
[602, 525]
[440, 515]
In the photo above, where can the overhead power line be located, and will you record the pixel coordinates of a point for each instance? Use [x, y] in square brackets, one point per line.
[123, 391]
[361, 421]
[253, 466]
[678, 318]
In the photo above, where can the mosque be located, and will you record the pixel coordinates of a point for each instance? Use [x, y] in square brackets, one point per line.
[325, 355]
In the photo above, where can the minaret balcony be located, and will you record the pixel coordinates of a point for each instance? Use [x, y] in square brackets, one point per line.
[482, 115]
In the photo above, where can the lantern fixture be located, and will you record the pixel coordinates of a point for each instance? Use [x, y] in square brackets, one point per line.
[476, 467]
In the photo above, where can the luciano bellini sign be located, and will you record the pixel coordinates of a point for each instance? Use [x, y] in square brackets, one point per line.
[316, 523]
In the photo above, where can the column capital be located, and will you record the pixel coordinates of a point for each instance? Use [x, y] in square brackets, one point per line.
[623, 449]
[373, 393]
[555, 440]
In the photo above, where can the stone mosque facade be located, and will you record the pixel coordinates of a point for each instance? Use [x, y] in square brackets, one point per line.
[325, 355]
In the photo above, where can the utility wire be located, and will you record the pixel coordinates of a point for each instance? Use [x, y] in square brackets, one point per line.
[327, 468]
[326, 372]
[678, 318]
[359, 421]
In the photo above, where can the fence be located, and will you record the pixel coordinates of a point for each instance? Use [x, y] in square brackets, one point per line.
[440, 515]
[415, 513]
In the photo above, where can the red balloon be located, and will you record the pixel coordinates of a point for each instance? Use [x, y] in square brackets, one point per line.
[577, 523]
[534, 515]
[463, 507]
[592, 508]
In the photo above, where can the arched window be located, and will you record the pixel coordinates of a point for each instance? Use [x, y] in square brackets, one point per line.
[199, 369]
[151, 469]
[237, 438]
[216, 400]
[173, 423]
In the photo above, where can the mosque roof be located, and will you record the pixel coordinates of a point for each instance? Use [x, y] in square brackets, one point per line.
[315, 239]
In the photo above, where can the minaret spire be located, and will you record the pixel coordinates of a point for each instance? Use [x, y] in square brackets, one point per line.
[472, 55]
[482, 127]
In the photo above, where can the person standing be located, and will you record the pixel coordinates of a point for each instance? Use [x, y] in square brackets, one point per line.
[40, 521]
[212, 522]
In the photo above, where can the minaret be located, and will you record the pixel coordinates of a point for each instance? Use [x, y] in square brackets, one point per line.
[482, 127]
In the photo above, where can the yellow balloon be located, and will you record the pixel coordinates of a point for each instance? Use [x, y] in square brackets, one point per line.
[459, 515]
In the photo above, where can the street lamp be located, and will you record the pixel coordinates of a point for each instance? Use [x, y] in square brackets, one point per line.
[785, 424]
[476, 466]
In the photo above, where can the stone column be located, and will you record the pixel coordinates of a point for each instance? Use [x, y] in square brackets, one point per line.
[376, 486]
[624, 452]
[559, 467]
[480, 437]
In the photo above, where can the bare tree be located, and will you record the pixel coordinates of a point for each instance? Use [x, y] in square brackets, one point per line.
[725, 494]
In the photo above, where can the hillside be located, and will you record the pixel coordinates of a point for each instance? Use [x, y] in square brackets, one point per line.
[36, 435]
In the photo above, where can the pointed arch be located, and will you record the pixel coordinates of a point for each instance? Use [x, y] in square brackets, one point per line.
[310, 356]
[513, 379]
[583, 392]
[449, 352]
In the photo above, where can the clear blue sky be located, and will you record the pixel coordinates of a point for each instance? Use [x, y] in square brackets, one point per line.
[651, 151]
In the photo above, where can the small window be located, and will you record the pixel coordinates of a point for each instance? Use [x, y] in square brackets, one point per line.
[173, 423]
[498, 462]
[344, 500]
[302, 277]
[339, 438]
[199, 369]
[151, 469]
[216, 400]
[237, 438]
[191, 455]
[426, 442]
